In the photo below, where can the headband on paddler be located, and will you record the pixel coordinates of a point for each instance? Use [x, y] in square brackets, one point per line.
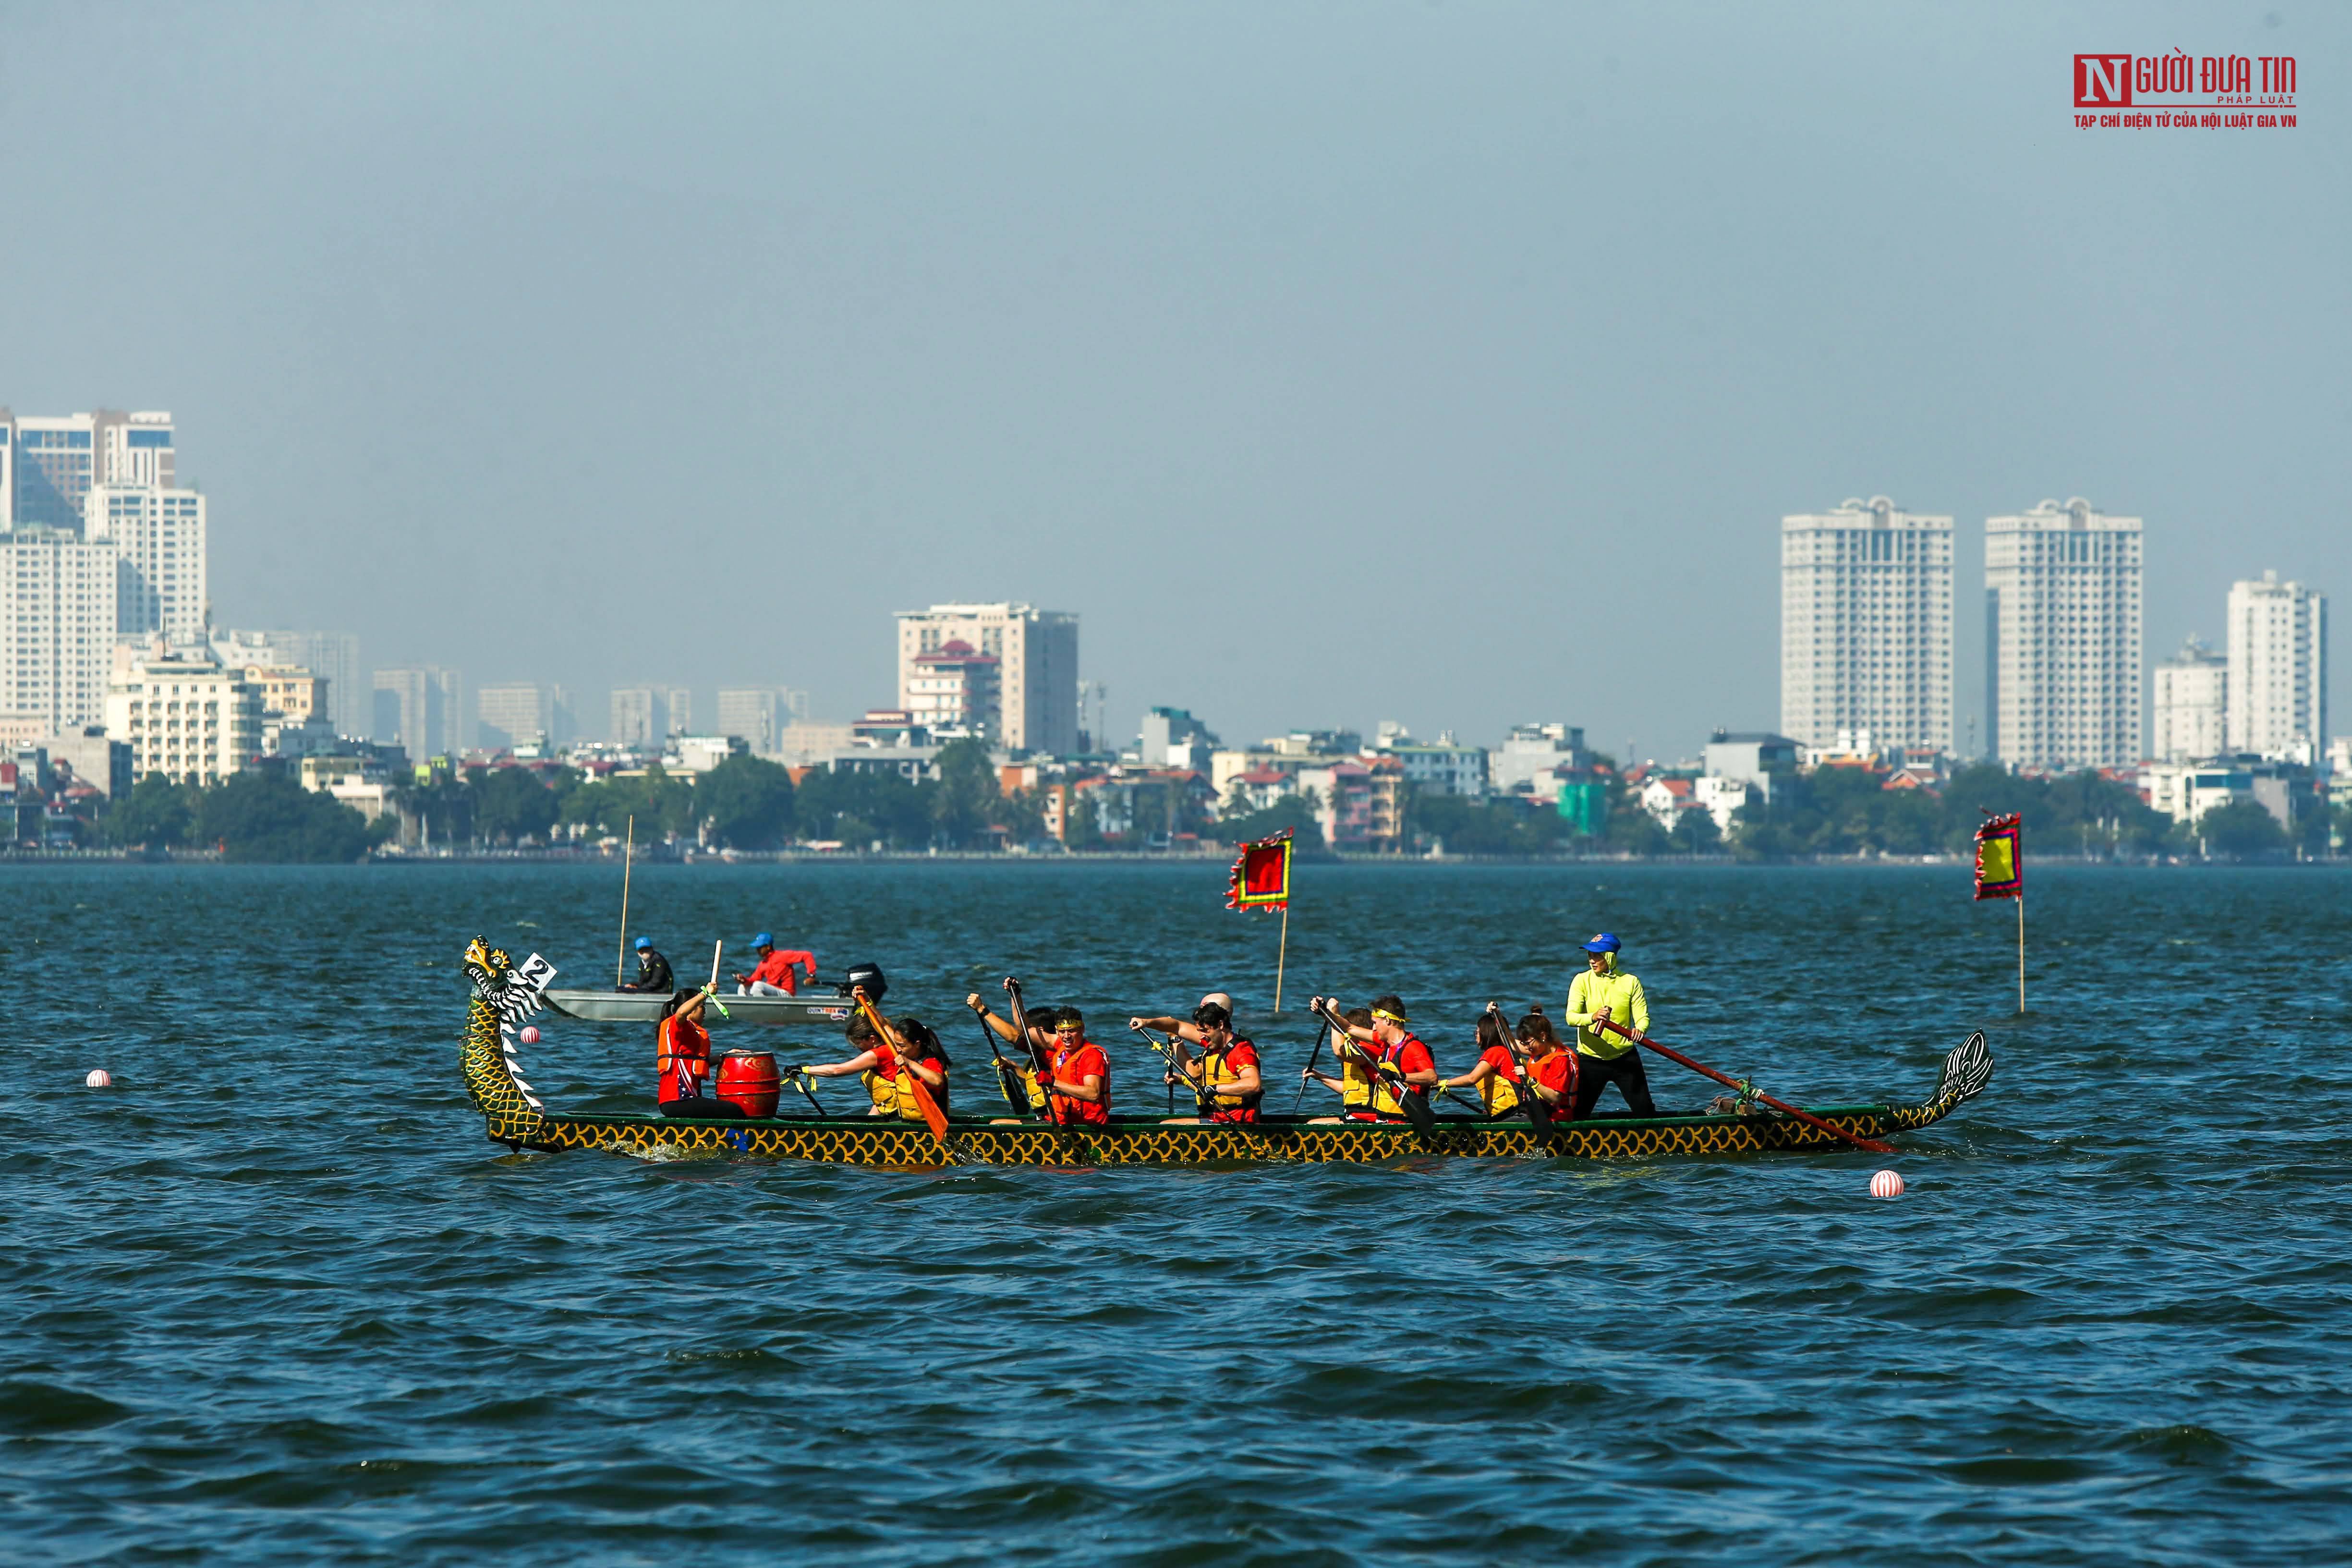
[1392, 1017]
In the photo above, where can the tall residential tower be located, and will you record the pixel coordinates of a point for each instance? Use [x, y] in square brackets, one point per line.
[1037, 673]
[2062, 637]
[2278, 669]
[1866, 626]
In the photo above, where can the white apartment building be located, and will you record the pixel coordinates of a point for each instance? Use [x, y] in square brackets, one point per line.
[333, 656]
[1866, 625]
[1038, 666]
[2191, 704]
[158, 536]
[520, 712]
[185, 714]
[1531, 753]
[2063, 649]
[422, 711]
[48, 462]
[760, 714]
[2278, 669]
[57, 626]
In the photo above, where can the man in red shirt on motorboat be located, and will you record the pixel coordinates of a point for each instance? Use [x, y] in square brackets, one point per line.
[772, 975]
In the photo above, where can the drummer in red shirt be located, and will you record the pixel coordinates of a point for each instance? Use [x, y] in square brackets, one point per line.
[772, 975]
[682, 1056]
[1078, 1093]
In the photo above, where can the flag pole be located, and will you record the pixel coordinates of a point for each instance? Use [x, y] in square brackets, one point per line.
[1281, 956]
[621, 956]
[2021, 951]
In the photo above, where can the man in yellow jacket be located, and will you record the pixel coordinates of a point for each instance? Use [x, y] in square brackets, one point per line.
[1605, 991]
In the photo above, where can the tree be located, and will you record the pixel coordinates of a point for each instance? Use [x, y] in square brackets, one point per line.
[858, 805]
[660, 804]
[1498, 824]
[156, 814]
[967, 797]
[2242, 829]
[1694, 833]
[266, 817]
[1635, 832]
[510, 805]
[1296, 811]
[745, 802]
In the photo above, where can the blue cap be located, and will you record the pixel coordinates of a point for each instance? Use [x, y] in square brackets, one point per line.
[765, 939]
[1604, 943]
[643, 942]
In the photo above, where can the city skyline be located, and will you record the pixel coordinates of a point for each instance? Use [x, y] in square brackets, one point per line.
[1304, 425]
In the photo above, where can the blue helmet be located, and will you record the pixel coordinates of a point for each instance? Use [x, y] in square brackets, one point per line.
[641, 944]
[1604, 943]
[765, 939]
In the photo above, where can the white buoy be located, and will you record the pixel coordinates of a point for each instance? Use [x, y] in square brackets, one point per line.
[98, 1078]
[1887, 1185]
[531, 1034]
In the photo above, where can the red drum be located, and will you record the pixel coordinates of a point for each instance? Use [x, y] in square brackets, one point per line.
[748, 1078]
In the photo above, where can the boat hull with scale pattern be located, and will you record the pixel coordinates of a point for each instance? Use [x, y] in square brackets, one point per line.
[504, 997]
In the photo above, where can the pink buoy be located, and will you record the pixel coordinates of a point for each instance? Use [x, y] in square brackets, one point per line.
[1887, 1185]
[531, 1034]
[98, 1078]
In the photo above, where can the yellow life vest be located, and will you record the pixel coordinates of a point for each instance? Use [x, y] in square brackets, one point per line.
[1214, 1070]
[1354, 1076]
[896, 1096]
[1500, 1093]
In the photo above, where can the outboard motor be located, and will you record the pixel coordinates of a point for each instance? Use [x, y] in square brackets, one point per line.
[867, 974]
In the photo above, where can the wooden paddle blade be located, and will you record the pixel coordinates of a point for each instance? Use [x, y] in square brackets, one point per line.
[936, 1119]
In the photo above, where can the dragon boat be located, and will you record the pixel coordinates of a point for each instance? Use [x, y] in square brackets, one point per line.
[507, 996]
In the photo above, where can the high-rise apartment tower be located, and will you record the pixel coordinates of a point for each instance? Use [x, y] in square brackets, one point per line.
[2192, 705]
[1866, 626]
[2278, 669]
[1037, 673]
[2063, 647]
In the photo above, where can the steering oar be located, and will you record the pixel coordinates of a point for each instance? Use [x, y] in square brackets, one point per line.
[1807, 1117]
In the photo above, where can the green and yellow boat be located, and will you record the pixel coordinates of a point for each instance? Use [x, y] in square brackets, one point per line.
[506, 997]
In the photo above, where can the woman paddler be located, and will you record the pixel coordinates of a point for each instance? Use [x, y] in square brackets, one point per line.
[1401, 1066]
[1605, 991]
[1499, 1079]
[682, 1056]
[1226, 1075]
[890, 1065]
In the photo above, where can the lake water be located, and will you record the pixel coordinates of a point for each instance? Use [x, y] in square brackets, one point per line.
[273, 1299]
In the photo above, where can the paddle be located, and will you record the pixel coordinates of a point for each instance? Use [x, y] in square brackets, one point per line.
[801, 1082]
[1176, 1065]
[932, 1115]
[1313, 1056]
[1414, 1106]
[1039, 1059]
[1007, 1077]
[1614, 1027]
[1538, 1113]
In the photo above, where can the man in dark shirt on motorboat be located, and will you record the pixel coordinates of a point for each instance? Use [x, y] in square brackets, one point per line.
[653, 969]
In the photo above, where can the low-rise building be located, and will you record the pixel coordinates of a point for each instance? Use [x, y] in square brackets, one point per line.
[1443, 767]
[361, 781]
[2186, 790]
[1532, 756]
[185, 714]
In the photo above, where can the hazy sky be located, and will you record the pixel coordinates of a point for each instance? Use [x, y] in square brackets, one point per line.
[1451, 364]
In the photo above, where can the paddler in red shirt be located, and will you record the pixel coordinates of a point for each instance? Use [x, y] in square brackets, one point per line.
[772, 975]
[888, 1064]
[1554, 1063]
[1402, 1064]
[1078, 1092]
[1227, 1074]
[1496, 1078]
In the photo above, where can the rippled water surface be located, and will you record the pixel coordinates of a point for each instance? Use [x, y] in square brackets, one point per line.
[273, 1297]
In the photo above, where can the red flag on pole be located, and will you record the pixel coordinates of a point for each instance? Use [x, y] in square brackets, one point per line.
[1262, 875]
[2000, 863]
